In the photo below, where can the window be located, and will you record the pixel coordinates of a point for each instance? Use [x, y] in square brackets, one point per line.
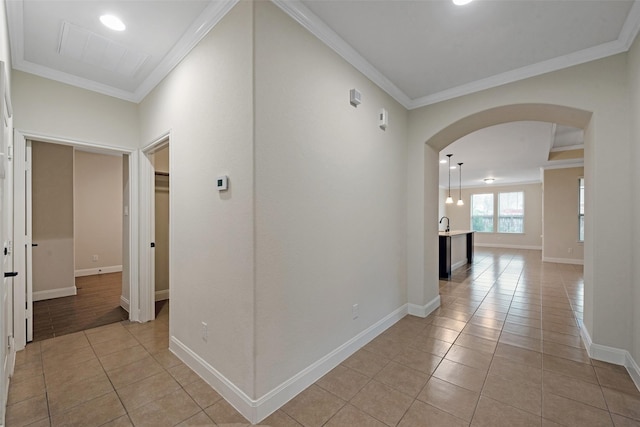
[511, 212]
[581, 210]
[482, 212]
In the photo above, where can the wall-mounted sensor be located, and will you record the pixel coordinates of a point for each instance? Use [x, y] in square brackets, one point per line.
[222, 183]
[383, 119]
[355, 97]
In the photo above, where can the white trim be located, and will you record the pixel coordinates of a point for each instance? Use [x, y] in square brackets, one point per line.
[256, 410]
[124, 303]
[506, 246]
[563, 260]
[162, 295]
[506, 184]
[55, 293]
[316, 26]
[98, 270]
[424, 310]
[209, 18]
[567, 148]
[613, 355]
[458, 264]
[576, 163]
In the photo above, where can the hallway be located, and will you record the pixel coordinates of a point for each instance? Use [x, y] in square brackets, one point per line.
[503, 350]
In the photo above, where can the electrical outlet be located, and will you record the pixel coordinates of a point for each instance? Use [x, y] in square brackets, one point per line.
[355, 311]
[94, 258]
[204, 332]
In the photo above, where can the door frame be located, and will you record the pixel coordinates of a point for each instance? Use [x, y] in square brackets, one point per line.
[20, 239]
[148, 224]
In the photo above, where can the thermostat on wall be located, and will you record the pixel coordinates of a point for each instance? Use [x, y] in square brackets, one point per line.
[222, 183]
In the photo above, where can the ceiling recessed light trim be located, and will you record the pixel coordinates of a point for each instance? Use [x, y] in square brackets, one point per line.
[489, 180]
[461, 2]
[113, 22]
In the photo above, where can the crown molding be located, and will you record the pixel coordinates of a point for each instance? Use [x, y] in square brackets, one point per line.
[208, 19]
[216, 10]
[317, 27]
[567, 148]
[566, 164]
[555, 64]
[312, 23]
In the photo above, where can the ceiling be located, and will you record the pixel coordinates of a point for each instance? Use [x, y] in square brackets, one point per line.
[420, 52]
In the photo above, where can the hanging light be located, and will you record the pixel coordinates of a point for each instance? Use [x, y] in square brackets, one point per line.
[460, 202]
[449, 199]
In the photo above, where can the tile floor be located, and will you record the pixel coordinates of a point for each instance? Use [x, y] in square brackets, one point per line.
[503, 350]
[97, 303]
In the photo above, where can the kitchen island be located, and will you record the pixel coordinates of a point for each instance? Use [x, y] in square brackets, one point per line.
[456, 250]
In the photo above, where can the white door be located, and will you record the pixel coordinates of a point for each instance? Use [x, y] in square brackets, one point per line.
[28, 247]
[7, 348]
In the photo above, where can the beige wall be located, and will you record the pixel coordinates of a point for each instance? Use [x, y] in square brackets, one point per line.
[460, 216]
[330, 200]
[561, 195]
[161, 164]
[207, 102]
[97, 212]
[634, 80]
[52, 202]
[55, 109]
[599, 87]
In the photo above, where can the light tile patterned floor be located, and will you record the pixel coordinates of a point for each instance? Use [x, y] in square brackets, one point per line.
[503, 350]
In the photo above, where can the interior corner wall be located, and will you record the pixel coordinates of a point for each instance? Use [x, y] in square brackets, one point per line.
[561, 221]
[634, 83]
[599, 87]
[460, 217]
[330, 201]
[53, 109]
[207, 104]
[52, 207]
[97, 212]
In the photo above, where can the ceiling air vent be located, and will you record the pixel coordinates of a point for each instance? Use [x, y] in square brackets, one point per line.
[91, 48]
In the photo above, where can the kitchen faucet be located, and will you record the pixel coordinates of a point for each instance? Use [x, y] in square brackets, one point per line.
[447, 218]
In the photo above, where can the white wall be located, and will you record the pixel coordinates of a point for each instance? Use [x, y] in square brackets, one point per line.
[97, 212]
[599, 87]
[52, 207]
[207, 103]
[561, 222]
[330, 200]
[634, 83]
[55, 109]
[461, 216]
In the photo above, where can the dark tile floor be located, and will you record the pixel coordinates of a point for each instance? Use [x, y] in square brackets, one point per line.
[96, 304]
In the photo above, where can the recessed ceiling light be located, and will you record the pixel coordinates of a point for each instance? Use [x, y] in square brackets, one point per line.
[112, 22]
[489, 180]
[452, 167]
[461, 2]
[443, 161]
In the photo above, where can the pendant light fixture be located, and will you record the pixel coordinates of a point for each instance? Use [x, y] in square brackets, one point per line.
[449, 199]
[460, 202]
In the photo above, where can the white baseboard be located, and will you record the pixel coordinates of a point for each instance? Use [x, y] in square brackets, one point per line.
[124, 303]
[98, 270]
[613, 355]
[162, 295]
[505, 246]
[424, 310]
[563, 260]
[257, 410]
[458, 264]
[54, 293]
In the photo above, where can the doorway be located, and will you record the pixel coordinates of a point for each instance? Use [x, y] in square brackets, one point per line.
[161, 239]
[76, 217]
[83, 277]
